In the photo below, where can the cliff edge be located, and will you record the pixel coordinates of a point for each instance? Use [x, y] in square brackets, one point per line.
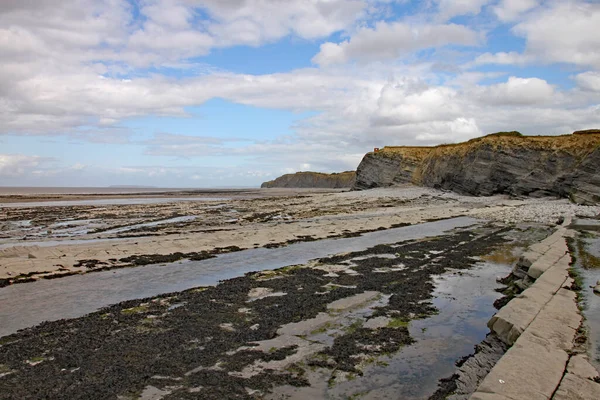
[500, 163]
[313, 180]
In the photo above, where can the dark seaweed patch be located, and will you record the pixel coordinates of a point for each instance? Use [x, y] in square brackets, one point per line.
[120, 350]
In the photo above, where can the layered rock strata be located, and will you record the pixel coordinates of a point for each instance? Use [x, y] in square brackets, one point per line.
[502, 163]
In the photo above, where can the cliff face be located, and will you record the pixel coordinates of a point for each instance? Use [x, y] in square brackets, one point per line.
[313, 180]
[390, 166]
[564, 166]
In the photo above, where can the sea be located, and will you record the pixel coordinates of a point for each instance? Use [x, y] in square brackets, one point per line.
[30, 190]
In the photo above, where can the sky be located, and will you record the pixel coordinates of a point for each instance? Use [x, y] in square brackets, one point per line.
[231, 93]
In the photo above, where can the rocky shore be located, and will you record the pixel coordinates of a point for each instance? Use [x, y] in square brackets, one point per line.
[327, 328]
[256, 336]
[49, 242]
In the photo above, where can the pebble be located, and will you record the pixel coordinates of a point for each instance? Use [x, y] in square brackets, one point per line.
[542, 210]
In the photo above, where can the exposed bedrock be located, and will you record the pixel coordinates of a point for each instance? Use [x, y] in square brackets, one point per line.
[504, 163]
[313, 180]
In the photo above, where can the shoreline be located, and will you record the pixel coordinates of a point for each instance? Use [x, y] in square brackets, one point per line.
[238, 223]
[8, 198]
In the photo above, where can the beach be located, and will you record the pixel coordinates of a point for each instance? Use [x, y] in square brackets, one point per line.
[258, 294]
[73, 235]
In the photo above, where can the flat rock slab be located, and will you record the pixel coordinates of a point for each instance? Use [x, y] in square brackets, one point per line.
[580, 366]
[541, 324]
[528, 370]
[512, 320]
[353, 301]
[574, 387]
[546, 261]
[556, 325]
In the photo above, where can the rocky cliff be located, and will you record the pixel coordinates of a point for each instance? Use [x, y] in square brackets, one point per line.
[313, 180]
[506, 162]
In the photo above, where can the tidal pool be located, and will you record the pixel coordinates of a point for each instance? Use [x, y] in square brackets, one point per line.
[465, 303]
[382, 316]
[28, 304]
[587, 253]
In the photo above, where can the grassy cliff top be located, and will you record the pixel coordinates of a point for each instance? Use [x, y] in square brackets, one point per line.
[579, 144]
[322, 173]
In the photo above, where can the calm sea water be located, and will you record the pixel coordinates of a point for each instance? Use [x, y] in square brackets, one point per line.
[26, 190]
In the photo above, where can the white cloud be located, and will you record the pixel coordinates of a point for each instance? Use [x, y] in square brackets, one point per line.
[76, 68]
[75, 31]
[407, 103]
[589, 80]
[453, 8]
[459, 129]
[170, 14]
[16, 165]
[518, 91]
[565, 32]
[78, 167]
[258, 21]
[391, 40]
[503, 58]
[510, 10]
[559, 32]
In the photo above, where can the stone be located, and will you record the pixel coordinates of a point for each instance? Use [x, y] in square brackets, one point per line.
[553, 278]
[528, 258]
[580, 366]
[554, 327]
[538, 268]
[476, 367]
[528, 370]
[538, 249]
[510, 322]
[573, 387]
[548, 260]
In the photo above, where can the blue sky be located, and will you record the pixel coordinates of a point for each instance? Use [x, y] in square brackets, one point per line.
[214, 93]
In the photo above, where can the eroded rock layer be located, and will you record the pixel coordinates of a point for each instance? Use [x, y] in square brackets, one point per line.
[507, 162]
[313, 180]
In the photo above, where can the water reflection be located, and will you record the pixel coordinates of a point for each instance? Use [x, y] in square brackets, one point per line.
[106, 202]
[28, 304]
